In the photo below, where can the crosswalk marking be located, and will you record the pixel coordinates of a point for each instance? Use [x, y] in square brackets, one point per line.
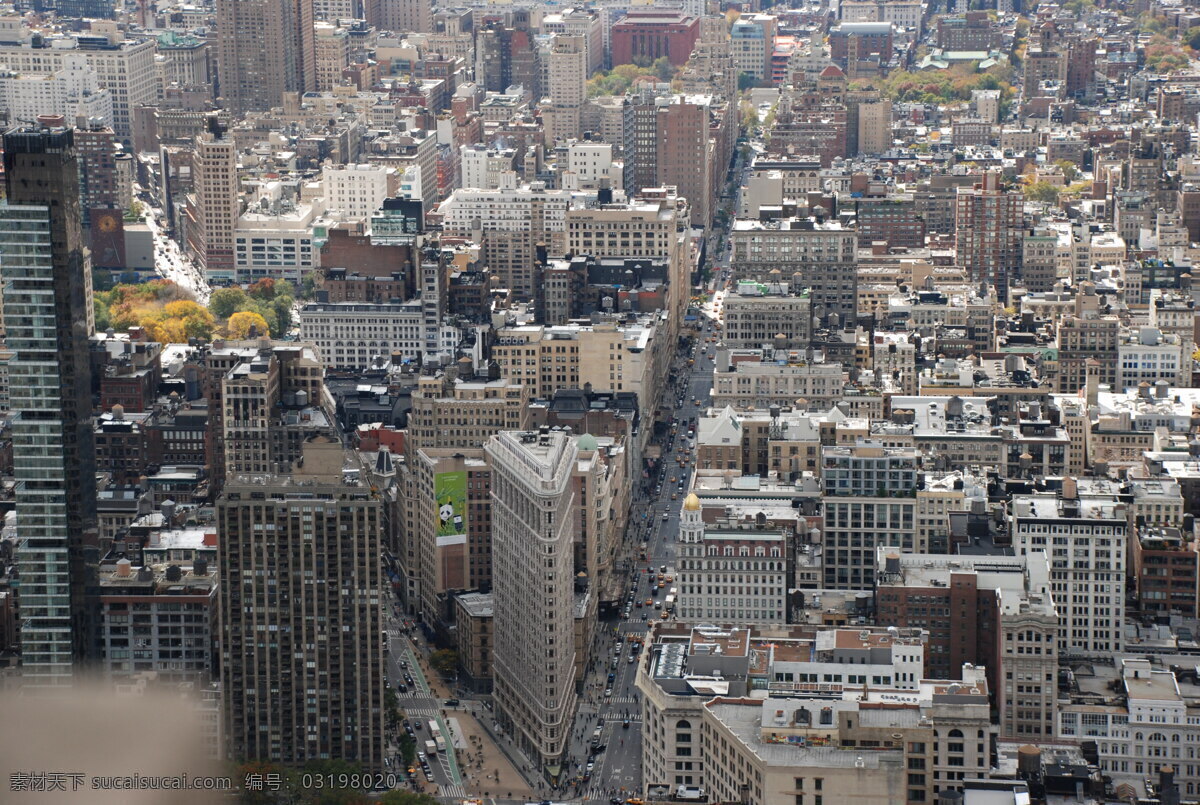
[423, 712]
[451, 791]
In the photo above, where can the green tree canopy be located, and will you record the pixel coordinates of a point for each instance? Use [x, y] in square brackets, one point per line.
[621, 77]
[1069, 170]
[1042, 191]
[267, 298]
[224, 302]
[444, 661]
[946, 86]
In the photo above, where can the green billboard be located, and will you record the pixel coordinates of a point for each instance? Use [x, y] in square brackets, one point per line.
[450, 491]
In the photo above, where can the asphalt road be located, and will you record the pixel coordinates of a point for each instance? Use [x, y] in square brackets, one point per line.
[170, 262]
[420, 707]
[617, 771]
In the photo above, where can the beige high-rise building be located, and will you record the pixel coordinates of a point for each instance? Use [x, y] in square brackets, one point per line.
[332, 55]
[264, 49]
[302, 666]
[874, 126]
[406, 16]
[533, 531]
[605, 356]
[584, 22]
[655, 225]
[567, 86]
[215, 206]
[465, 412]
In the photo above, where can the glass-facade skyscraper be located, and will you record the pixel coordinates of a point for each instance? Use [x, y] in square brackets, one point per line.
[47, 293]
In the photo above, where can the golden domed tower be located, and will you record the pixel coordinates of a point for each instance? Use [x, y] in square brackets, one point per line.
[691, 524]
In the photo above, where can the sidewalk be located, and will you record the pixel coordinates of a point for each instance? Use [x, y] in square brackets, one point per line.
[484, 760]
[437, 688]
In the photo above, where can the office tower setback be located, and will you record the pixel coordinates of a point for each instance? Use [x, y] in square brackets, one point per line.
[47, 297]
[264, 49]
[301, 654]
[533, 561]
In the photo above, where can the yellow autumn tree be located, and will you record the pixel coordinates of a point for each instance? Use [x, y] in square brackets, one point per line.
[188, 319]
[240, 324]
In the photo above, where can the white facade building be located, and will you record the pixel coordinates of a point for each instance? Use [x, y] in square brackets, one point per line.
[731, 572]
[589, 165]
[507, 209]
[72, 91]
[1148, 355]
[352, 335]
[486, 168]
[1085, 539]
[1157, 725]
[277, 242]
[124, 67]
[355, 192]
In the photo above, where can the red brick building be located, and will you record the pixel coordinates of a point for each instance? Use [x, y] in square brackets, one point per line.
[963, 622]
[860, 40]
[1165, 569]
[356, 253]
[641, 37]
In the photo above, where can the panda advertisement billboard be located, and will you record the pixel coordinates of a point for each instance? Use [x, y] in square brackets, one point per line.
[450, 491]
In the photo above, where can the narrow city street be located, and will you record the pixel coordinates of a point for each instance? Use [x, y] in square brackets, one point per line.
[610, 700]
[615, 705]
[169, 260]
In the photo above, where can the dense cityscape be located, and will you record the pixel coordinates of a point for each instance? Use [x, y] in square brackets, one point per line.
[600, 403]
